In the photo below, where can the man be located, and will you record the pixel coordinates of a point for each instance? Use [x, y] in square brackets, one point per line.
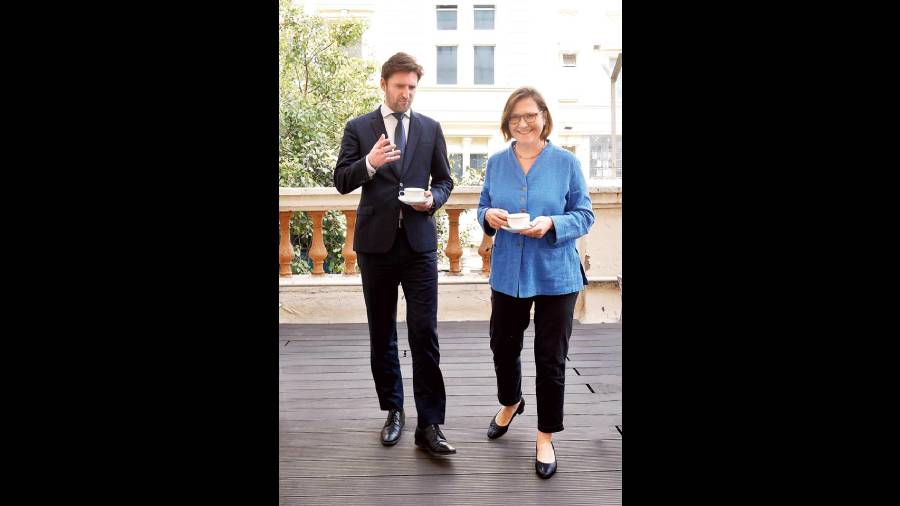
[385, 151]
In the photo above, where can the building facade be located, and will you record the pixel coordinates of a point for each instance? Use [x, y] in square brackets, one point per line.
[475, 53]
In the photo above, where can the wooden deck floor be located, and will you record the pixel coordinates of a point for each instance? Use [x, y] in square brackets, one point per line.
[331, 453]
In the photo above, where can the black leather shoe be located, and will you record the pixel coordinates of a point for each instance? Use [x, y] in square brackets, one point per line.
[432, 439]
[545, 470]
[390, 434]
[495, 431]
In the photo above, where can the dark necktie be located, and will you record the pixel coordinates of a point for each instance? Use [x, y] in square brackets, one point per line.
[400, 137]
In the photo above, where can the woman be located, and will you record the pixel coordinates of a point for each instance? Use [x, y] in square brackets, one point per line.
[538, 265]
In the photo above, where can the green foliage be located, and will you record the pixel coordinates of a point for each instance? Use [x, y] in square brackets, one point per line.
[320, 88]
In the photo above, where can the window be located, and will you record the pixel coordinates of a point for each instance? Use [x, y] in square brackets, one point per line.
[446, 17]
[484, 17]
[456, 166]
[568, 59]
[446, 64]
[601, 154]
[484, 64]
[478, 160]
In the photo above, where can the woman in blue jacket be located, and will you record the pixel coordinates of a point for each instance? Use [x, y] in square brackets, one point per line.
[536, 265]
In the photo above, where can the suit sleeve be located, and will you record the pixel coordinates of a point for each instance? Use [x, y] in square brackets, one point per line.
[350, 172]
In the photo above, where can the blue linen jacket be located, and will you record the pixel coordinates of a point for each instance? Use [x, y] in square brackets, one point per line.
[555, 187]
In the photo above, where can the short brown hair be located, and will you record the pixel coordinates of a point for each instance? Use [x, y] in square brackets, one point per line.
[519, 94]
[401, 62]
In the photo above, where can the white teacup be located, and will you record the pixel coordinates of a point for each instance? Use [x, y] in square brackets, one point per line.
[413, 193]
[518, 220]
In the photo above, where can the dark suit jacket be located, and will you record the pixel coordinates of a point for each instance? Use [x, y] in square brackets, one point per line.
[379, 210]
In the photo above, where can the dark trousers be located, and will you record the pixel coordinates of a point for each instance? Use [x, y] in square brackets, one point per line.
[417, 273]
[552, 329]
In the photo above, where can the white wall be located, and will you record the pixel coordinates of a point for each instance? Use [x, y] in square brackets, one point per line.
[529, 37]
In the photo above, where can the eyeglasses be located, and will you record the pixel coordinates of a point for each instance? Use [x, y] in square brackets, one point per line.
[530, 118]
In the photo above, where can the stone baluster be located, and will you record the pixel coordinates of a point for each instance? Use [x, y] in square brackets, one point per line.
[487, 244]
[317, 250]
[453, 250]
[349, 254]
[285, 250]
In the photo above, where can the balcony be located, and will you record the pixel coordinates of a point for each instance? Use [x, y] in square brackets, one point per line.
[464, 293]
[329, 423]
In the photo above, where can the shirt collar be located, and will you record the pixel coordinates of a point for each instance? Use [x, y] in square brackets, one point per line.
[386, 111]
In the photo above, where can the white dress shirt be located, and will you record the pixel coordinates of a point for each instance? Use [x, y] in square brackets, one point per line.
[390, 124]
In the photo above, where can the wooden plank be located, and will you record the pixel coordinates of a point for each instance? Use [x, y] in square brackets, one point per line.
[365, 439]
[288, 392]
[298, 410]
[329, 423]
[368, 434]
[449, 482]
[375, 419]
[447, 373]
[337, 398]
[448, 360]
[528, 385]
[604, 497]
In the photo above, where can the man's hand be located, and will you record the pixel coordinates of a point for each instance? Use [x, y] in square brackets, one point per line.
[496, 218]
[427, 205]
[539, 226]
[383, 152]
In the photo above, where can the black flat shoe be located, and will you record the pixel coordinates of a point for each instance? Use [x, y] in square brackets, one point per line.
[545, 470]
[495, 431]
[432, 439]
[393, 426]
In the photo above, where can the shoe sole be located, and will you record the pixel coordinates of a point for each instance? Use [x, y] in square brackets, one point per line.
[390, 443]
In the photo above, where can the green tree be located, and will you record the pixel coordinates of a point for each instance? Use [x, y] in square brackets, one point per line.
[320, 87]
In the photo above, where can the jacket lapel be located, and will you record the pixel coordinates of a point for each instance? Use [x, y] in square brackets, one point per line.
[377, 123]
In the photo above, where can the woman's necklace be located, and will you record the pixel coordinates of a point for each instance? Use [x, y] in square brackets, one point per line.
[528, 157]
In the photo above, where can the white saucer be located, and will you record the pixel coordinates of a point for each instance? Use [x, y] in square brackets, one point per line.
[407, 200]
[514, 230]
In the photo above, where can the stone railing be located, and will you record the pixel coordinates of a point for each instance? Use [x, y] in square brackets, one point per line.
[317, 201]
[600, 250]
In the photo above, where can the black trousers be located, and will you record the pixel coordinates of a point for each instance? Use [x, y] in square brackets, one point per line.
[552, 330]
[417, 274]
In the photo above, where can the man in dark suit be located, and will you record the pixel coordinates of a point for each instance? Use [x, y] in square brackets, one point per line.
[396, 244]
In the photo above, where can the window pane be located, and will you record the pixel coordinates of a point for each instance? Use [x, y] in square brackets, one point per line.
[484, 17]
[601, 157]
[446, 17]
[478, 160]
[484, 65]
[569, 60]
[446, 65]
[456, 164]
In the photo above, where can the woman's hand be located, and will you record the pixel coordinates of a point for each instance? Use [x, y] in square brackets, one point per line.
[496, 218]
[539, 226]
